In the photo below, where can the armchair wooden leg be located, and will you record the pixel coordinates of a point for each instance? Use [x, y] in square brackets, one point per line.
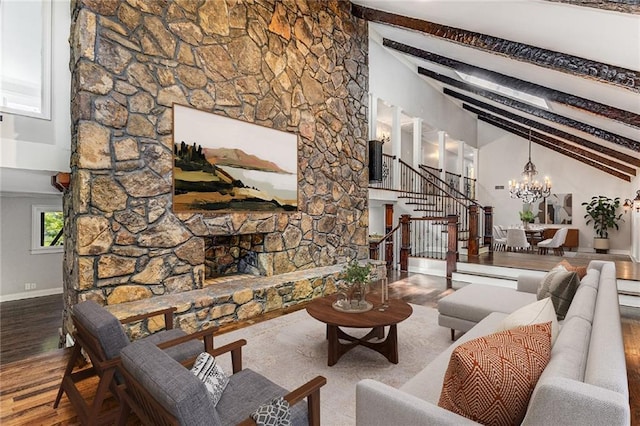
[453, 334]
[313, 408]
[76, 352]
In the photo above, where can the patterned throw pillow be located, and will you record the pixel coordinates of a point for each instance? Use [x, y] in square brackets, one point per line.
[215, 380]
[561, 286]
[534, 313]
[274, 413]
[490, 379]
[580, 270]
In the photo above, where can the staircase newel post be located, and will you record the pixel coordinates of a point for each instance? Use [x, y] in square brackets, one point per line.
[405, 244]
[472, 245]
[488, 227]
[452, 247]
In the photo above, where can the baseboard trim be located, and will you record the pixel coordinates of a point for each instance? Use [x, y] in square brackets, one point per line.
[30, 294]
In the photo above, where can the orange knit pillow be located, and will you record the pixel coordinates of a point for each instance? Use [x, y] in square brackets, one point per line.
[490, 379]
[580, 270]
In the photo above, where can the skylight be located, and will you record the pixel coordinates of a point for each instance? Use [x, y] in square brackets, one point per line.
[504, 90]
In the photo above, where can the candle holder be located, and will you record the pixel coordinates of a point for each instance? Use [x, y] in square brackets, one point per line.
[384, 294]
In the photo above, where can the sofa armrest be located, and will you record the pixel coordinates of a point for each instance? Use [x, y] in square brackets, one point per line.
[562, 401]
[380, 404]
[528, 283]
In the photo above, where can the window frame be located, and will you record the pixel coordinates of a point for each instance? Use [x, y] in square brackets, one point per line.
[45, 70]
[36, 229]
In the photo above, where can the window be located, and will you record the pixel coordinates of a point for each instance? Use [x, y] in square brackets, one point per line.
[25, 58]
[47, 223]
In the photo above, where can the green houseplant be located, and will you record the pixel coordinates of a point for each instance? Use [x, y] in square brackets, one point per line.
[601, 212]
[354, 273]
[355, 278]
[527, 217]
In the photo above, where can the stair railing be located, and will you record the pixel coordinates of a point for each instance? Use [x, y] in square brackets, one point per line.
[388, 254]
[424, 237]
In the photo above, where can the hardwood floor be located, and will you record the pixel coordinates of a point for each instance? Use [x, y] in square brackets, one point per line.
[625, 268]
[29, 385]
[29, 327]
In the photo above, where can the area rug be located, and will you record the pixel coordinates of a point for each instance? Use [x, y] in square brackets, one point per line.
[292, 349]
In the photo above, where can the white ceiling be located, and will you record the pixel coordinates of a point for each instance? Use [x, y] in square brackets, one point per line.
[605, 36]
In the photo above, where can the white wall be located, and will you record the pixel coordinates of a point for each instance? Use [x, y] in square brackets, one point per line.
[392, 80]
[31, 151]
[17, 265]
[502, 156]
[36, 144]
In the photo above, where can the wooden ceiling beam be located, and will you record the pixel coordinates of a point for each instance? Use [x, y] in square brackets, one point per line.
[547, 129]
[557, 61]
[529, 109]
[554, 144]
[586, 105]
[628, 6]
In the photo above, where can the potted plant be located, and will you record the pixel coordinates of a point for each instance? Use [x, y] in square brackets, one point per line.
[355, 278]
[601, 211]
[527, 217]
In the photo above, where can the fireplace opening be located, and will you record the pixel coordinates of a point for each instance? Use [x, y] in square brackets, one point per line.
[232, 255]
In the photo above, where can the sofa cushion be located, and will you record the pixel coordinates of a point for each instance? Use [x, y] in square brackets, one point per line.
[580, 270]
[246, 391]
[490, 379]
[475, 301]
[592, 279]
[560, 285]
[427, 383]
[534, 313]
[583, 304]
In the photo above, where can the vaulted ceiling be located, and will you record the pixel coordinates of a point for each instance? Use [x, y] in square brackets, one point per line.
[583, 61]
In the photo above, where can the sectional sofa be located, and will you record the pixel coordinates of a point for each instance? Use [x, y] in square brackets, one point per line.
[584, 383]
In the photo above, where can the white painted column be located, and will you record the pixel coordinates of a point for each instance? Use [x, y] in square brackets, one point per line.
[373, 117]
[442, 152]
[396, 143]
[461, 171]
[635, 231]
[417, 142]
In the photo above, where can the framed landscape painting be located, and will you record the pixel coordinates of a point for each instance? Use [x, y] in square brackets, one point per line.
[224, 164]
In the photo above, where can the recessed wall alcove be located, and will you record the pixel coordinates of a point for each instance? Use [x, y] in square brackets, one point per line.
[226, 255]
[299, 67]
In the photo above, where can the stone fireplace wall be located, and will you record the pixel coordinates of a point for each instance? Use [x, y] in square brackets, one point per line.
[297, 66]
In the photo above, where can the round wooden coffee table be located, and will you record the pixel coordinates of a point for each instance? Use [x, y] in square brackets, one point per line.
[398, 310]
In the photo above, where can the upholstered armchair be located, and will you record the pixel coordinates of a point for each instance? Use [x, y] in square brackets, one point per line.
[554, 243]
[101, 336]
[161, 391]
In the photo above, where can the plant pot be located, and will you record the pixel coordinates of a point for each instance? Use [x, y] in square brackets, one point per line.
[601, 245]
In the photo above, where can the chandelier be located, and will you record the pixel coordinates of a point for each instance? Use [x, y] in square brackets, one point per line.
[529, 189]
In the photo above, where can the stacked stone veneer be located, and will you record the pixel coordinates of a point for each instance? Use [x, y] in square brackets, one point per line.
[297, 66]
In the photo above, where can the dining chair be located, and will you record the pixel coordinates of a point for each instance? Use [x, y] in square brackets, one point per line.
[555, 243]
[517, 240]
[499, 238]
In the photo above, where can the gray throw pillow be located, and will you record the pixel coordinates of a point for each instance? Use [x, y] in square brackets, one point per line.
[215, 380]
[543, 287]
[560, 285]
